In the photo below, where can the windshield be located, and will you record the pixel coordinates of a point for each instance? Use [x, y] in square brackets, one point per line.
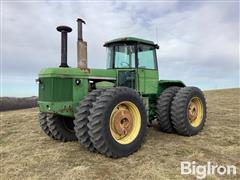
[124, 56]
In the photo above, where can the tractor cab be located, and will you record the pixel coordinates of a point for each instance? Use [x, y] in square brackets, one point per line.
[135, 60]
[124, 53]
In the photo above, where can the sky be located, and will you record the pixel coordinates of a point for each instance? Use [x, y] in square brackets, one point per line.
[199, 40]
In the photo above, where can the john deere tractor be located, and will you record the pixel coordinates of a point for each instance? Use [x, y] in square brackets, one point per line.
[108, 110]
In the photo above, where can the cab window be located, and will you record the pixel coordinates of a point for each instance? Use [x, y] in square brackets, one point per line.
[123, 56]
[146, 57]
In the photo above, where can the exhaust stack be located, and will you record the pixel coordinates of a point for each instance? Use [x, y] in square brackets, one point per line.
[64, 30]
[81, 47]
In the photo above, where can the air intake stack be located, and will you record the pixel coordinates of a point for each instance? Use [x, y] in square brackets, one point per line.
[81, 47]
[64, 30]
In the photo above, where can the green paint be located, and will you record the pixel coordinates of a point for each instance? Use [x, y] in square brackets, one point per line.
[61, 89]
[148, 81]
[76, 73]
[48, 91]
[58, 85]
[63, 108]
[104, 85]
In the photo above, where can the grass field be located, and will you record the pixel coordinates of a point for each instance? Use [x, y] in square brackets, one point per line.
[27, 153]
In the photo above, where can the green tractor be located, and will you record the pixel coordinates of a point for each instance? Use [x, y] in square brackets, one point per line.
[108, 110]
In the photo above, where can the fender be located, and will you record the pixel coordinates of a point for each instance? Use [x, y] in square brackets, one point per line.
[164, 84]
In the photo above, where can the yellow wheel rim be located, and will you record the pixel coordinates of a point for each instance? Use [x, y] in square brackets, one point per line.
[195, 111]
[125, 122]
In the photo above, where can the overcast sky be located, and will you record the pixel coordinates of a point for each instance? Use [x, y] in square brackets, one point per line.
[199, 41]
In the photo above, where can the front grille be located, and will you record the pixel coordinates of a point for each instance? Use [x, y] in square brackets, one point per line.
[55, 89]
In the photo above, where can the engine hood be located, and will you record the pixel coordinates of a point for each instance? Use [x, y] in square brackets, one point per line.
[108, 74]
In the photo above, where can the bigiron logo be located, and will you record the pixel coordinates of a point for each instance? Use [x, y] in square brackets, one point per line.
[201, 171]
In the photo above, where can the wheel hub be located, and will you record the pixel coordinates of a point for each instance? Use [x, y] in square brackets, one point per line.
[192, 111]
[123, 122]
[195, 111]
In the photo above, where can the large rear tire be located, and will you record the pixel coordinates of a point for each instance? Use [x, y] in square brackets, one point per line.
[188, 111]
[42, 118]
[61, 127]
[117, 122]
[81, 119]
[163, 111]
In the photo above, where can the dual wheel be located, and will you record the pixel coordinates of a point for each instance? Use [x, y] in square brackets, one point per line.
[111, 121]
[181, 110]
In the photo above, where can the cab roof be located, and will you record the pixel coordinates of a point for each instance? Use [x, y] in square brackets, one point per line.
[130, 39]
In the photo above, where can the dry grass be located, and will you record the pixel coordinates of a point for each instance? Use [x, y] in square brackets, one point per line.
[26, 153]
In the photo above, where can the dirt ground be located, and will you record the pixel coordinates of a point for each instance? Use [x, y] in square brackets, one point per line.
[27, 153]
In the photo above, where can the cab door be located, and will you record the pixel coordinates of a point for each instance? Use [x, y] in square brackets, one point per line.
[147, 71]
[124, 62]
[147, 81]
[127, 78]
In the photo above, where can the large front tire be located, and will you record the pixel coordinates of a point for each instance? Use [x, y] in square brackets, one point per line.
[81, 119]
[117, 122]
[188, 111]
[62, 128]
[42, 118]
